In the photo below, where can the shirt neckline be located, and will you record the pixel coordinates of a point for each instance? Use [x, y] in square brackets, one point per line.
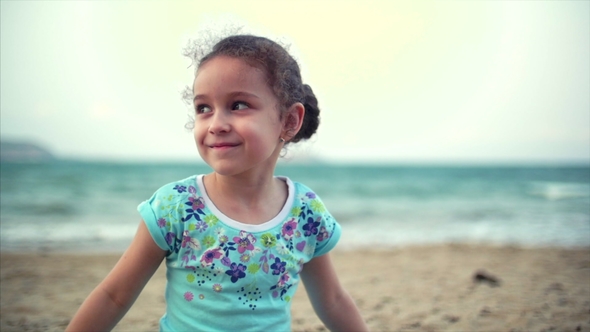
[281, 216]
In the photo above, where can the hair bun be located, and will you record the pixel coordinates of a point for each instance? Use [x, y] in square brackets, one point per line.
[311, 120]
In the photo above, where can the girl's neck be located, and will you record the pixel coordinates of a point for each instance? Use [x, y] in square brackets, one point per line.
[250, 200]
[240, 188]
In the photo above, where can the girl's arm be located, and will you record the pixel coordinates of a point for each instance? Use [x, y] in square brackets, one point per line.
[111, 299]
[330, 301]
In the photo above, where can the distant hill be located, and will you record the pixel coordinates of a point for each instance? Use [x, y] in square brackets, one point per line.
[11, 151]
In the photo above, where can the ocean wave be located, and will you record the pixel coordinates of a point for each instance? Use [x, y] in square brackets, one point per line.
[554, 191]
[41, 209]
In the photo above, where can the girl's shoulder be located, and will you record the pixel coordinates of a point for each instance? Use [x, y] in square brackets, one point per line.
[185, 186]
[304, 194]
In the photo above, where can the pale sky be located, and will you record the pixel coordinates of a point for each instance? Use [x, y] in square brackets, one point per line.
[420, 81]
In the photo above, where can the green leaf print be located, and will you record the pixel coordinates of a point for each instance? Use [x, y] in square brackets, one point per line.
[268, 240]
[208, 241]
[295, 211]
[211, 220]
[190, 277]
[317, 206]
[253, 268]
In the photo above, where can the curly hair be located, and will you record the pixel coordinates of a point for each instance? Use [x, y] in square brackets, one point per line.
[281, 69]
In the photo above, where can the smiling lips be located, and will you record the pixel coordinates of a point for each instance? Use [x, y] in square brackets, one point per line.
[222, 146]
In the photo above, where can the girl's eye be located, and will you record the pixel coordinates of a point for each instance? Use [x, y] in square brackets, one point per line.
[240, 106]
[203, 109]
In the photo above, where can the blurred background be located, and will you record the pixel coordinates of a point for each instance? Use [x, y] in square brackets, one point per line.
[442, 122]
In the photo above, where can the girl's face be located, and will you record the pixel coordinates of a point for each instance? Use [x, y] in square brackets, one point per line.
[237, 124]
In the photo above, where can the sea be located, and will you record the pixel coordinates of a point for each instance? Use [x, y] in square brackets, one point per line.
[91, 207]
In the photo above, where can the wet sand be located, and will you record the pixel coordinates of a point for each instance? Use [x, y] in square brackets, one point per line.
[434, 288]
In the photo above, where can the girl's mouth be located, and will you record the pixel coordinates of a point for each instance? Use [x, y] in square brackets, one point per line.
[223, 146]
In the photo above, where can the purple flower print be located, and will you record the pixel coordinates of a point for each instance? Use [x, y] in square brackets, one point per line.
[226, 261]
[288, 229]
[187, 257]
[310, 195]
[278, 267]
[243, 245]
[201, 226]
[192, 190]
[170, 238]
[173, 241]
[300, 246]
[179, 188]
[195, 203]
[161, 222]
[311, 228]
[245, 241]
[245, 258]
[190, 242]
[210, 255]
[236, 272]
[185, 239]
[323, 234]
[196, 206]
[284, 279]
[282, 286]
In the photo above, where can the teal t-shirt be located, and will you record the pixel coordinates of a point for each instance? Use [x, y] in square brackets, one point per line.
[224, 275]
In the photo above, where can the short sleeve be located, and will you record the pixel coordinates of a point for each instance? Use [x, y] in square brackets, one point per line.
[329, 234]
[157, 229]
[316, 222]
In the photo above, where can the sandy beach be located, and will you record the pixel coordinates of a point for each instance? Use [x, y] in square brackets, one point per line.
[435, 288]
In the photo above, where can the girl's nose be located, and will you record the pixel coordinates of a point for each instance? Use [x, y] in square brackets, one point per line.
[219, 123]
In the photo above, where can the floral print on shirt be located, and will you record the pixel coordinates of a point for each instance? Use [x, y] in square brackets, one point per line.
[250, 265]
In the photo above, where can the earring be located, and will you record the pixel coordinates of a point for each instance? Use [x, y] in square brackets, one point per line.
[282, 140]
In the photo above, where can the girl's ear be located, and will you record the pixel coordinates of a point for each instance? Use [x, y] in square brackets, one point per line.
[292, 121]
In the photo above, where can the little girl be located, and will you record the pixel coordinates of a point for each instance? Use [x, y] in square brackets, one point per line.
[236, 241]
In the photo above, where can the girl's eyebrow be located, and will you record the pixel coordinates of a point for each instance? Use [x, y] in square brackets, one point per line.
[230, 95]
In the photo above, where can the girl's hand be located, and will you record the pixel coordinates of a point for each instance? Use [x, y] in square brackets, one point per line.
[111, 299]
[330, 301]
